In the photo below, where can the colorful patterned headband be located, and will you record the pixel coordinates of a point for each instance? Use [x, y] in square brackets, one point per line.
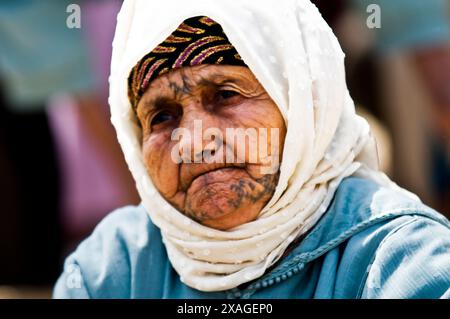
[198, 40]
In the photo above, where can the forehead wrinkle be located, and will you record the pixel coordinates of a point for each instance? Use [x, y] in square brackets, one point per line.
[183, 81]
[163, 88]
[207, 75]
[159, 96]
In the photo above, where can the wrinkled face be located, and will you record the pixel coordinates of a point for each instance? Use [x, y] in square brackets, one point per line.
[192, 123]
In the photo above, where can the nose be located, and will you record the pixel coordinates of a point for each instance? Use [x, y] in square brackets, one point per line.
[199, 141]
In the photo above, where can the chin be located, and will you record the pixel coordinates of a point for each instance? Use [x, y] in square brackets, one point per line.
[225, 198]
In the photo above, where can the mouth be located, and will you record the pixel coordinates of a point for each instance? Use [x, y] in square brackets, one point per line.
[195, 171]
[219, 175]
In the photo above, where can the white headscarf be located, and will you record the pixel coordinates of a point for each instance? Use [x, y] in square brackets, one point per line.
[296, 57]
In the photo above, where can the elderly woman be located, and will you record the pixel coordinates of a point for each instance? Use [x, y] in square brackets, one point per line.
[294, 208]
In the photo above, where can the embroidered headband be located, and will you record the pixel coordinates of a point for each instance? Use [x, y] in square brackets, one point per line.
[198, 40]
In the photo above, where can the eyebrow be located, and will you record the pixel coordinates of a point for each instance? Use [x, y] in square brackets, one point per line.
[221, 80]
[157, 102]
[213, 80]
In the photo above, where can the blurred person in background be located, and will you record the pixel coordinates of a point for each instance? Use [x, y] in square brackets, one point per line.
[54, 129]
[39, 57]
[95, 178]
[412, 47]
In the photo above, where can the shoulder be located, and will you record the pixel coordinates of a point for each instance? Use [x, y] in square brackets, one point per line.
[123, 231]
[386, 240]
[103, 264]
[398, 248]
[403, 257]
[412, 261]
[363, 200]
[129, 223]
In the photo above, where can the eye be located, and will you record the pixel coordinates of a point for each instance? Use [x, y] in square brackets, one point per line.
[227, 97]
[227, 94]
[162, 117]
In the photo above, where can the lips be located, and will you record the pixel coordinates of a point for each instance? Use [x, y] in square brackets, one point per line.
[221, 175]
[191, 172]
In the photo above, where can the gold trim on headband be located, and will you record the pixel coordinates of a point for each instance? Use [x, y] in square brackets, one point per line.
[174, 39]
[188, 29]
[152, 69]
[192, 47]
[208, 21]
[199, 58]
[162, 49]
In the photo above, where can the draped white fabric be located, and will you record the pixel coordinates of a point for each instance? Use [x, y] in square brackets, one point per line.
[298, 60]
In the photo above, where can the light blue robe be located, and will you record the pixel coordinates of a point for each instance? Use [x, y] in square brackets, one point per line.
[371, 243]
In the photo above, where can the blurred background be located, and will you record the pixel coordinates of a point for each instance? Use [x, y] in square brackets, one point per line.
[62, 171]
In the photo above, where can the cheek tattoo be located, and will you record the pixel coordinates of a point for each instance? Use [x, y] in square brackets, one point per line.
[245, 189]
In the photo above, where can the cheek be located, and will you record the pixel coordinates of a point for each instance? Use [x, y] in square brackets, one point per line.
[160, 166]
[261, 114]
[256, 114]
